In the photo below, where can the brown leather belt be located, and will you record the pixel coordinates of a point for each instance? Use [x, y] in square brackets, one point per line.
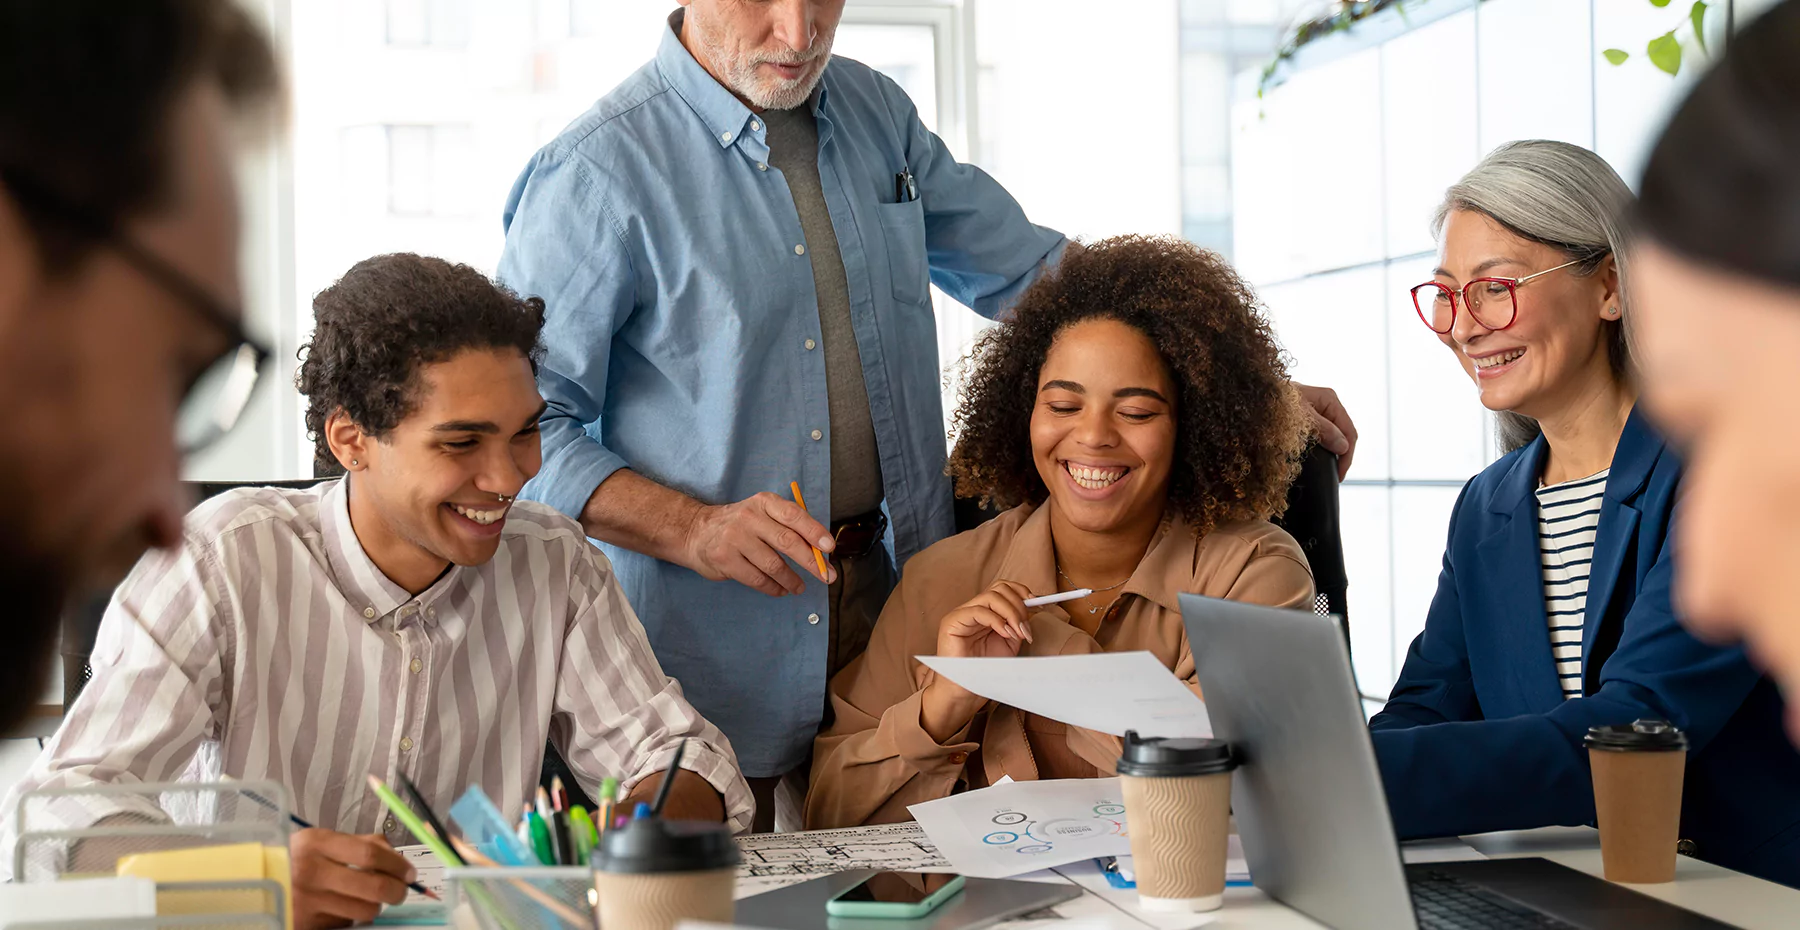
[858, 536]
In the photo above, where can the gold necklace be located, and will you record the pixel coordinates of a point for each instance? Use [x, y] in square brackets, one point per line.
[1093, 591]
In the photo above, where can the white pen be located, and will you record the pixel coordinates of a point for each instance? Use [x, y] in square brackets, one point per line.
[1058, 598]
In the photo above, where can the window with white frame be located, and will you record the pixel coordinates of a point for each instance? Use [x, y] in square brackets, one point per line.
[419, 23]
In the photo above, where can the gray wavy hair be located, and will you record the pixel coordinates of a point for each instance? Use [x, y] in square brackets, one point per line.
[1565, 197]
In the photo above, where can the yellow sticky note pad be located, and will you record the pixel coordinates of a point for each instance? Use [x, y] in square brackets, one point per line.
[231, 863]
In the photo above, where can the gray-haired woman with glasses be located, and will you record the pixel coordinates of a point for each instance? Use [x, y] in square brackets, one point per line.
[1552, 613]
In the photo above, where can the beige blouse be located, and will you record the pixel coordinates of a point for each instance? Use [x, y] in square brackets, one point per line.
[875, 758]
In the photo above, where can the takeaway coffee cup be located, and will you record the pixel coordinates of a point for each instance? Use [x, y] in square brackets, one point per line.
[1178, 811]
[1638, 769]
[653, 874]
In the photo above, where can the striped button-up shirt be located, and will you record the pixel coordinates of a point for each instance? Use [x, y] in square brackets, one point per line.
[269, 646]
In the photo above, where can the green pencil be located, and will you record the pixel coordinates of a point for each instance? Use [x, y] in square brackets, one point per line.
[438, 845]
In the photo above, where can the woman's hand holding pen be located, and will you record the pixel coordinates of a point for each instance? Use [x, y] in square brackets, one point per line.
[746, 542]
[994, 624]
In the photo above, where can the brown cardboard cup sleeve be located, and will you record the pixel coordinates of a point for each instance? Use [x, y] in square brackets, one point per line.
[1638, 769]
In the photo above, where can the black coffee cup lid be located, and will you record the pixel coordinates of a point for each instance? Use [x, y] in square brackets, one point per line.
[1162, 757]
[1637, 736]
[652, 844]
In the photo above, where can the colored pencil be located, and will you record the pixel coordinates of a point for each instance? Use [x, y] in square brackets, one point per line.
[668, 779]
[405, 815]
[818, 557]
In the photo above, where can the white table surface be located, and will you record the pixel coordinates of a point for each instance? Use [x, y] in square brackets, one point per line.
[1707, 889]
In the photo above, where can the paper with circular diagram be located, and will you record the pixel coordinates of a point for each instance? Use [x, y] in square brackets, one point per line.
[1020, 827]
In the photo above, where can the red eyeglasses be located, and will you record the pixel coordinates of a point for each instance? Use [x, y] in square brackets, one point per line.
[1492, 301]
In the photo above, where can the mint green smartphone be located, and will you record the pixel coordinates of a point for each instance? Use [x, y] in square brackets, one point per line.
[898, 895]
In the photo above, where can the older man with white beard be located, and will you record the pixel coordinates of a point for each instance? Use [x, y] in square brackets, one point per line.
[736, 246]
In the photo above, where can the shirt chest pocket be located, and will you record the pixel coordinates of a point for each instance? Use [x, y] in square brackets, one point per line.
[903, 232]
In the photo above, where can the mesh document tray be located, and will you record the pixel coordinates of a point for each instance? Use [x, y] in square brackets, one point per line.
[62, 832]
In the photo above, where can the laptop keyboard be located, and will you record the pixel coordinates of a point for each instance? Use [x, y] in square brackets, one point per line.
[1444, 902]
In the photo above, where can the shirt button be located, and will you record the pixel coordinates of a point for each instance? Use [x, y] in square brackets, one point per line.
[405, 744]
[755, 125]
[389, 825]
[812, 619]
[799, 250]
[817, 435]
[724, 137]
[432, 613]
[761, 167]
[415, 666]
[811, 345]
[369, 613]
[959, 757]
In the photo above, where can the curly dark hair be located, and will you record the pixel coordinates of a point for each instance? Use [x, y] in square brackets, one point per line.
[1240, 427]
[386, 318]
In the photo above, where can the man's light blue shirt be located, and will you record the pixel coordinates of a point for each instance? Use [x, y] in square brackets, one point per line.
[683, 342]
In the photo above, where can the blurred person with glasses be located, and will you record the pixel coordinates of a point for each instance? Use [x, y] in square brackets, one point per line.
[1552, 612]
[1720, 244]
[121, 345]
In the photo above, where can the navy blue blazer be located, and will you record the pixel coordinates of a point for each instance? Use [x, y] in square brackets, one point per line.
[1476, 735]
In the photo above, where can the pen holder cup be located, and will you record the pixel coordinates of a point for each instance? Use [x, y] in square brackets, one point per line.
[525, 898]
[75, 831]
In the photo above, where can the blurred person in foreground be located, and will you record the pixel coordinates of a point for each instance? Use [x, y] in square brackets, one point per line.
[1719, 260]
[119, 291]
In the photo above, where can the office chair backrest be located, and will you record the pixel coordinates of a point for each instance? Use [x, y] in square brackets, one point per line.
[81, 622]
[1311, 518]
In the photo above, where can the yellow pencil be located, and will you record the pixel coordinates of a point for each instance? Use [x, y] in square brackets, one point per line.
[818, 556]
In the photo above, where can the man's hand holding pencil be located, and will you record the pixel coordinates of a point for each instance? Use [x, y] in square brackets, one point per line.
[747, 541]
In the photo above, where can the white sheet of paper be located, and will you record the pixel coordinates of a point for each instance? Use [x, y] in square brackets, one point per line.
[1111, 691]
[431, 873]
[1007, 830]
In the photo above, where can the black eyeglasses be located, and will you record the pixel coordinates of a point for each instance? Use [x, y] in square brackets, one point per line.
[214, 401]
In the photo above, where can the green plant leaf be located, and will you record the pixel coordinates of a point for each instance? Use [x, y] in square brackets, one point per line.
[1697, 16]
[1659, 4]
[1617, 56]
[1665, 52]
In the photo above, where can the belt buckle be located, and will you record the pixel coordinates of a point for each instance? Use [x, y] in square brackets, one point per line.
[880, 528]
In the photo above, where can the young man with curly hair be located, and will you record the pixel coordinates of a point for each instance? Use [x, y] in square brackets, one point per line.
[1136, 416]
[410, 617]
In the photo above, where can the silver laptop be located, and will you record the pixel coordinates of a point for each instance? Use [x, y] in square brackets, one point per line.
[1310, 806]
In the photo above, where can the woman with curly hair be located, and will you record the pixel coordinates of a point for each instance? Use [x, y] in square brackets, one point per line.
[1135, 416]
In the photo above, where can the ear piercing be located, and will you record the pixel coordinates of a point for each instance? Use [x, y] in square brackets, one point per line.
[354, 463]
[1612, 311]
